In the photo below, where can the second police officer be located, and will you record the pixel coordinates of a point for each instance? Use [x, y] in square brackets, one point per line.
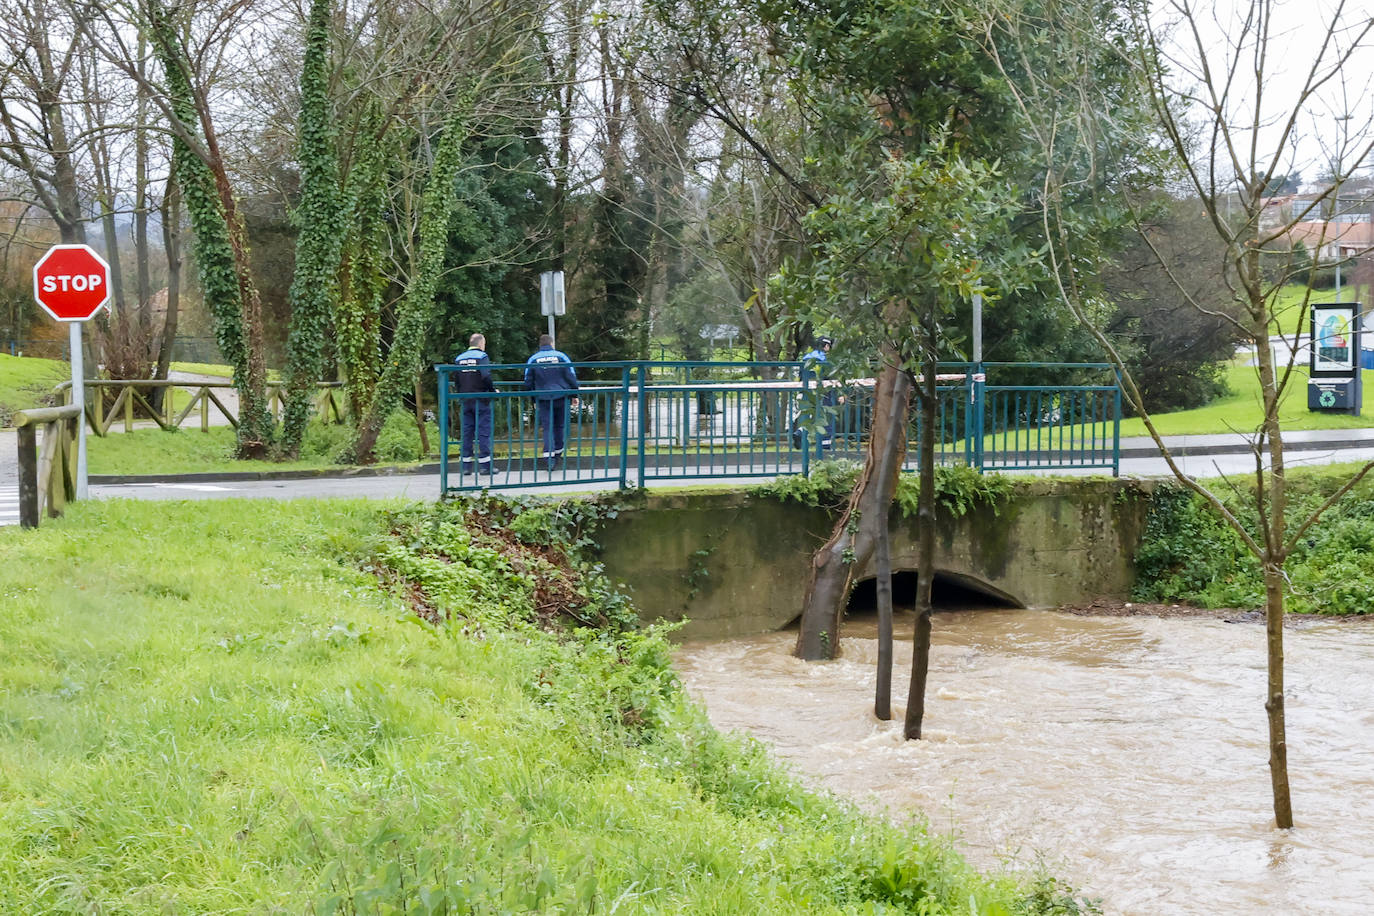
[550, 375]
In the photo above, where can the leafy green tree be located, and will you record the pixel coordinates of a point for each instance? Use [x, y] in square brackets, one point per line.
[491, 282]
[415, 312]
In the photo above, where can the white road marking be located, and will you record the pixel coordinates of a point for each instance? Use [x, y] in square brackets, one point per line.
[9, 505]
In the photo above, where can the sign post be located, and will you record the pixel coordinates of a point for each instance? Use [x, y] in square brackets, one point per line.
[551, 297]
[72, 284]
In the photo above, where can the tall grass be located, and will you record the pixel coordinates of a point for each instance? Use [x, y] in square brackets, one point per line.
[211, 708]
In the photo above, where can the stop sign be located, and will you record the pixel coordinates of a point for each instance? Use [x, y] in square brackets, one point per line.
[71, 282]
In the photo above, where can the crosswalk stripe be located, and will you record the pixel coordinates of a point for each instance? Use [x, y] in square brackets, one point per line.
[9, 505]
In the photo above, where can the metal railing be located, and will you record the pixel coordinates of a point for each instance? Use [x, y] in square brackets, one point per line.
[634, 422]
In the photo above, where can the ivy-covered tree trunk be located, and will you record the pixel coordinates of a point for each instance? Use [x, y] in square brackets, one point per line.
[314, 283]
[357, 319]
[416, 309]
[856, 533]
[171, 245]
[220, 247]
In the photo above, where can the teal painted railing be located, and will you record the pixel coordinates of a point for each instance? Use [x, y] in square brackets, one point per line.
[636, 422]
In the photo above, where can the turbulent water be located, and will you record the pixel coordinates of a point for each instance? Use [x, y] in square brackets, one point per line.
[1129, 755]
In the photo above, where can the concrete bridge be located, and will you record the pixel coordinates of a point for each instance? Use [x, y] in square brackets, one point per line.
[732, 563]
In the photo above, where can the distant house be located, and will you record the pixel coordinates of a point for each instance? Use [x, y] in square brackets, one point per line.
[1335, 241]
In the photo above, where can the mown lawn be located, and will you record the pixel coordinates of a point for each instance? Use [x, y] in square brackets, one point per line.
[1241, 410]
[213, 707]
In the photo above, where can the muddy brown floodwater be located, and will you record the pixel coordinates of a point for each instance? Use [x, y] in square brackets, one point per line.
[1127, 754]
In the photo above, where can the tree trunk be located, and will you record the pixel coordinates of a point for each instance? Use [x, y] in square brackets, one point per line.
[925, 546]
[1273, 704]
[882, 703]
[882, 706]
[855, 536]
[171, 242]
[420, 419]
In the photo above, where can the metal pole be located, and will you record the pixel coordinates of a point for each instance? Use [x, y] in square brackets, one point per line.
[443, 433]
[977, 327]
[979, 383]
[551, 334]
[79, 398]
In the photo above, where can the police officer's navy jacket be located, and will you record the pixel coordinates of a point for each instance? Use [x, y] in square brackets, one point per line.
[550, 370]
[477, 377]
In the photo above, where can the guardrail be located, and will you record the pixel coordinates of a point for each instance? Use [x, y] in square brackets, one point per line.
[47, 480]
[131, 403]
[635, 422]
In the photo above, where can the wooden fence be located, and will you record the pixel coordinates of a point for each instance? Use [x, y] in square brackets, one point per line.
[47, 479]
[132, 401]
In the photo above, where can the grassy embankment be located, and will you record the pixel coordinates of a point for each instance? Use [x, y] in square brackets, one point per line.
[214, 707]
[28, 382]
[1189, 554]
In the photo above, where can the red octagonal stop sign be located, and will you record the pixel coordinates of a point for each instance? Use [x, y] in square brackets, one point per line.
[71, 282]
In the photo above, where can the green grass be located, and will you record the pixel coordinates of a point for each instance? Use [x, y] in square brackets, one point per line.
[215, 370]
[186, 451]
[1241, 410]
[1287, 307]
[28, 382]
[210, 708]
[190, 451]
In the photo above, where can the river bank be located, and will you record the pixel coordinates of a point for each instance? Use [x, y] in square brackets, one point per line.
[236, 707]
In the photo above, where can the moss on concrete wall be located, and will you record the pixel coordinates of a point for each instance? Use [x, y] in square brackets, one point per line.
[732, 563]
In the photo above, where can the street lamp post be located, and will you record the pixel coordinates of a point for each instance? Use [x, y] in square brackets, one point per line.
[1336, 204]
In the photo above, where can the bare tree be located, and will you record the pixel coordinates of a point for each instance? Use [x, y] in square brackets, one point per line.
[1234, 109]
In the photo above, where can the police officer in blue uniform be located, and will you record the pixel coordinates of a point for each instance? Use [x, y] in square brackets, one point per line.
[816, 366]
[472, 378]
[550, 375]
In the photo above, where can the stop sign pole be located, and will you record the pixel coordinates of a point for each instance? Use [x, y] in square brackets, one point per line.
[72, 284]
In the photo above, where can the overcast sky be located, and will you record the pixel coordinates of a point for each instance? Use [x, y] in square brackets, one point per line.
[1225, 39]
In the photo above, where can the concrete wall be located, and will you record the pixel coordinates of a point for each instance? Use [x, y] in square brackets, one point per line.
[736, 564]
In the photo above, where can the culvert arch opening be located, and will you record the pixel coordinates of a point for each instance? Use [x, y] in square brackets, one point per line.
[948, 592]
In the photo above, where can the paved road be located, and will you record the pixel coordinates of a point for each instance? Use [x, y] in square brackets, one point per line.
[1201, 456]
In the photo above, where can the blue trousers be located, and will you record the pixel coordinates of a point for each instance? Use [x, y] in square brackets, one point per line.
[552, 416]
[476, 423]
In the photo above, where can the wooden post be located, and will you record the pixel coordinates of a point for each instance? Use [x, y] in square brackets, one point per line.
[128, 409]
[28, 477]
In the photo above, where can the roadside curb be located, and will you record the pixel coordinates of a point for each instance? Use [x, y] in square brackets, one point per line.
[1198, 451]
[1133, 451]
[300, 474]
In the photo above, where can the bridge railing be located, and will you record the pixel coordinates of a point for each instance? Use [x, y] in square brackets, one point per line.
[634, 422]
